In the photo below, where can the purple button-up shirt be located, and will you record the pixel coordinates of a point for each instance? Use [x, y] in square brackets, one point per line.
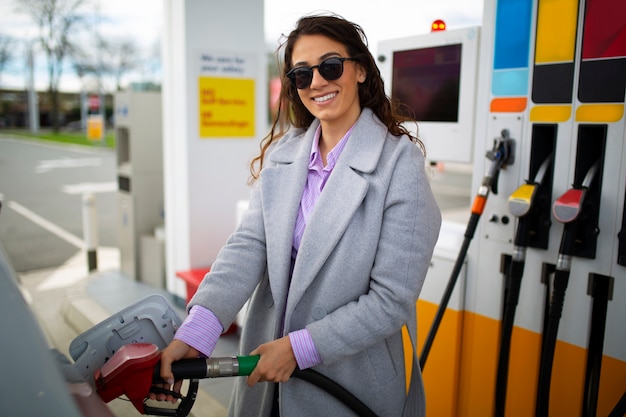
[201, 329]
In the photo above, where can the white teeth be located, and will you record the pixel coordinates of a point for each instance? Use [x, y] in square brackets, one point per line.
[324, 98]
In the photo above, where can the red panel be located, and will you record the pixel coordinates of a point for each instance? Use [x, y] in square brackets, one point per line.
[604, 34]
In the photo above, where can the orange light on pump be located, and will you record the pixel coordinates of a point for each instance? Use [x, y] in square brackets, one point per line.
[438, 25]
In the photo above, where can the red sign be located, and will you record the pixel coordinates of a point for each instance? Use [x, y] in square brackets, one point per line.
[94, 102]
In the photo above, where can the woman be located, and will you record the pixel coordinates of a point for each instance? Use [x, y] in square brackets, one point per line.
[334, 247]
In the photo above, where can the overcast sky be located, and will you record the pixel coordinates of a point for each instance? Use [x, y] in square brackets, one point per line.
[142, 21]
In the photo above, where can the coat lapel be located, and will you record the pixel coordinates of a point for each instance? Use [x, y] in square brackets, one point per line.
[343, 194]
[282, 184]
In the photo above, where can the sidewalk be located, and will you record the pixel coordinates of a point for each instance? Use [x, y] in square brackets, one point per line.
[69, 300]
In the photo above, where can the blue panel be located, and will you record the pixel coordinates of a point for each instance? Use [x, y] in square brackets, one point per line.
[510, 83]
[512, 43]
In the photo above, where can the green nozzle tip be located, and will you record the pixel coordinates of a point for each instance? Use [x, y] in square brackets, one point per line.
[247, 364]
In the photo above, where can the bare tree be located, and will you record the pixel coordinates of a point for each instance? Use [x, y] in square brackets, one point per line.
[6, 52]
[112, 59]
[57, 20]
[122, 56]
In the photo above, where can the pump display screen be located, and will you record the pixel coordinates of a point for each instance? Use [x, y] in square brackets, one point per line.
[428, 81]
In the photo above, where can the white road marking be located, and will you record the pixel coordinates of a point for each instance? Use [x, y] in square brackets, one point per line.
[90, 187]
[47, 165]
[49, 226]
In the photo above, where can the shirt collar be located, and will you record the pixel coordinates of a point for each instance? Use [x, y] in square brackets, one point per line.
[333, 155]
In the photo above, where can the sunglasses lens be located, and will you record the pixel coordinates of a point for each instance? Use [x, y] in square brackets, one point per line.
[301, 77]
[331, 69]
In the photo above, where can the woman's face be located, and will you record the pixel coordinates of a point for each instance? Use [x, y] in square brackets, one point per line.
[333, 102]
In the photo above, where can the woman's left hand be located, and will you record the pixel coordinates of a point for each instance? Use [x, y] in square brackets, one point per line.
[276, 363]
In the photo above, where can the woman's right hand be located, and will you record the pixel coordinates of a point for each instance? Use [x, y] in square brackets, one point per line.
[175, 351]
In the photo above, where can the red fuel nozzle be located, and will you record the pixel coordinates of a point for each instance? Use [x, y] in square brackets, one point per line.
[128, 372]
[567, 207]
[135, 368]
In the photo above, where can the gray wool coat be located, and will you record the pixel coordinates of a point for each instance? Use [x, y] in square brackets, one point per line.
[359, 270]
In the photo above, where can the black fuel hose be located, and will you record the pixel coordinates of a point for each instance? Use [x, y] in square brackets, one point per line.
[334, 389]
[568, 214]
[559, 287]
[243, 365]
[445, 299]
[561, 280]
[514, 278]
[522, 205]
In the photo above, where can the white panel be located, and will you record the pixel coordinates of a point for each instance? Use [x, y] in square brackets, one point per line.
[440, 271]
[445, 141]
[498, 223]
[205, 177]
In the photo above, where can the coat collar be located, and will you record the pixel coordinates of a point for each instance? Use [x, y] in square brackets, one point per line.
[362, 154]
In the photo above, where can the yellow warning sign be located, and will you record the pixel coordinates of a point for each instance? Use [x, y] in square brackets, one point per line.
[226, 107]
[95, 127]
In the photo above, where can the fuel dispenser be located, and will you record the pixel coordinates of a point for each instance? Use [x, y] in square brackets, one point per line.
[540, 329]
[139, 151]
[575, 142]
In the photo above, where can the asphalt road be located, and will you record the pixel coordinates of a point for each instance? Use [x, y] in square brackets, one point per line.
[41, 187]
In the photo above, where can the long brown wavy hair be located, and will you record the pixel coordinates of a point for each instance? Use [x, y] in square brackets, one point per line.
[292, 112]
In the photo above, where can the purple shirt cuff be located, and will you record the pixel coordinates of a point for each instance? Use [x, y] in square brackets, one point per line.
[200, 330]
[304, 350]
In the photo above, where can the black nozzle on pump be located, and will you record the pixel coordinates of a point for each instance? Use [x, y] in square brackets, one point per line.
[502, 154]
[520, 205]
[567, 209]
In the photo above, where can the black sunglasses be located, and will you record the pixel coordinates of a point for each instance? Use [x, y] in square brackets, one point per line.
[331, 69]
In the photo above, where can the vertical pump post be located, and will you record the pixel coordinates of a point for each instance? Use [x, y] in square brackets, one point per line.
[90, 230]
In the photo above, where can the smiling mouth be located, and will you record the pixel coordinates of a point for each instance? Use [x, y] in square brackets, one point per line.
[324, 97]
